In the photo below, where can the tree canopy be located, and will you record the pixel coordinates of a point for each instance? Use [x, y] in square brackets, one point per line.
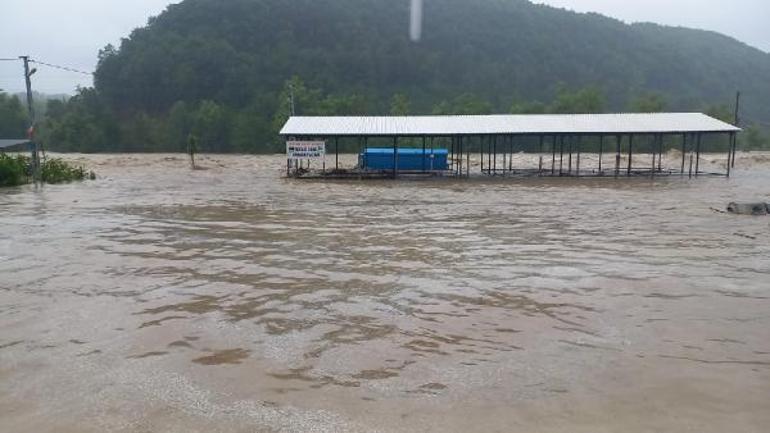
[229, 71]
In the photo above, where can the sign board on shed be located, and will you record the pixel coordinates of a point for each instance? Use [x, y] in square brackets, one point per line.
[296, 150]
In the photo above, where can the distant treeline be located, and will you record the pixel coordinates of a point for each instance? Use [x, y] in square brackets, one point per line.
[227, 71]
[85, 124]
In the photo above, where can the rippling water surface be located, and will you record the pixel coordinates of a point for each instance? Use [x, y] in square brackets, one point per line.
[228, 299]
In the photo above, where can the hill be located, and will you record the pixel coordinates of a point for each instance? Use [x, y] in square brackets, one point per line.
[220, 69]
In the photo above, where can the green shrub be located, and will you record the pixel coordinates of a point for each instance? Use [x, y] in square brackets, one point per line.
[13, 170]
[56, 170]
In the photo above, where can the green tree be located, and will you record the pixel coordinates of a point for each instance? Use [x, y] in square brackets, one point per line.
[210, 124]
[721, 112]
[400, 105]
[467, 103]
[143, 133]
[295, 95]
[520, 107]
[754, 139]
[13, 117]
[587, 100]
[83, 124]
[178, 126]
[649, 103]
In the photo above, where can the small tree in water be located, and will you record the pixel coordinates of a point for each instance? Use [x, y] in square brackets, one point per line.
[192, 148]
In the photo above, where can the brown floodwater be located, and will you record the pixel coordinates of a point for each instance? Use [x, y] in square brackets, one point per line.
[228, 299]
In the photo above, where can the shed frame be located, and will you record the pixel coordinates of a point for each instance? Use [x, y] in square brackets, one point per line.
[567, 133]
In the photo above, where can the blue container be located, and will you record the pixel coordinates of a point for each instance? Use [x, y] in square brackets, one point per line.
[409, 159]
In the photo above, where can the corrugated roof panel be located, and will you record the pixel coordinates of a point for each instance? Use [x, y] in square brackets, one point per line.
[623, 123]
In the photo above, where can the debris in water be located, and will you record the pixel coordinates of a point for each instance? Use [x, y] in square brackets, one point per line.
[748, 208]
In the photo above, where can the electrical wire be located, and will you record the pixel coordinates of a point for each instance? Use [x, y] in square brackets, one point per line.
[9, 60]
[63, 68]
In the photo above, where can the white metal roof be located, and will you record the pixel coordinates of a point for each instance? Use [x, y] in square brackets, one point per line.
[625, 123]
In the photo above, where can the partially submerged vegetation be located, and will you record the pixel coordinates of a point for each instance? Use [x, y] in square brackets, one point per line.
[16, 170]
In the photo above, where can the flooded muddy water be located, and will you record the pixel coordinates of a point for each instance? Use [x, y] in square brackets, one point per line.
[228, 299]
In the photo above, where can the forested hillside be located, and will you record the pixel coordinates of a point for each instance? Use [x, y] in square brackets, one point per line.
[224, 70]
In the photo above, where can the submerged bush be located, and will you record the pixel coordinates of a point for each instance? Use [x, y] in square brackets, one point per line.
[56, 170]
[13, 170]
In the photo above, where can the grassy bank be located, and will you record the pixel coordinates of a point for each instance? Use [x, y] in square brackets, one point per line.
[15, 170]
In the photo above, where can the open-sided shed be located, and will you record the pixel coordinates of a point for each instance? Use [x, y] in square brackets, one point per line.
[553, 134]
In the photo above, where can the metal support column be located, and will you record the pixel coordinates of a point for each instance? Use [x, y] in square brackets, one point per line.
[601, 152]
[577, 166]
[660, 153]
[336, 153]
[731, 143]
[684, 152]
[395, 157]
[630, 154]
[619, 139]
[481, 152]
[494, 155]
[505, 154]
[553, 160]
[653, 146]
[737, 123]
[489, 155]
[423, 154]
[697, 154]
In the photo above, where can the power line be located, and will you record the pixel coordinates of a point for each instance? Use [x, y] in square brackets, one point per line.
[63, 68]
[8, 60]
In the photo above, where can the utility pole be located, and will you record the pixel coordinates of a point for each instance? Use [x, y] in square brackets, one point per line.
[737, 124]
[31, 112]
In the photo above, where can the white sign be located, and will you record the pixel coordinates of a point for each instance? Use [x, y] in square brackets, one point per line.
[305, 150]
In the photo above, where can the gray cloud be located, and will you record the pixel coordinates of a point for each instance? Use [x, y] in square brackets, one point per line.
[745, 20]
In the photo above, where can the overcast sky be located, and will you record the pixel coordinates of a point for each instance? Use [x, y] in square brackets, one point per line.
[71, 32]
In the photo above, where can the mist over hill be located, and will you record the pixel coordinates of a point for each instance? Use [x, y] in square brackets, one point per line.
[222, 70]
